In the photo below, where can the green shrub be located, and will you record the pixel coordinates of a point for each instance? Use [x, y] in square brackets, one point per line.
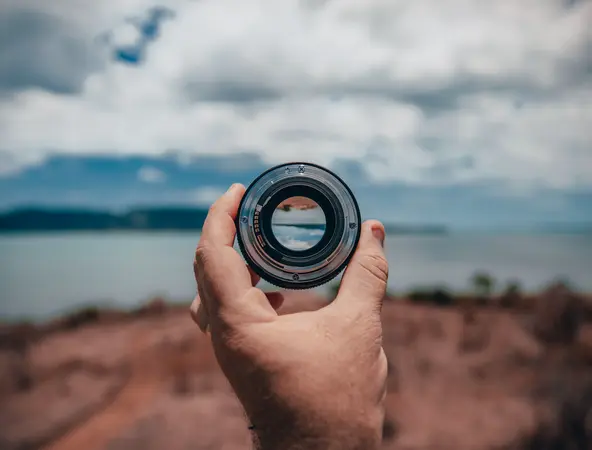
[436, 296]
[483, 284]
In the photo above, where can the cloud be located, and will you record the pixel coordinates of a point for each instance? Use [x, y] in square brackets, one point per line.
[8, 165]
[149, 174]
[37, 51]
[421, 92]
[205, 196]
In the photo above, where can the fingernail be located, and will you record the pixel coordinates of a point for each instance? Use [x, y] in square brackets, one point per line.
[232, 187]
[378, 233]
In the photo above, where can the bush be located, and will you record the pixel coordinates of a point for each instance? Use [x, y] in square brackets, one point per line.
[512, 295]
[155, 307]
[558, 314]
[85, 316]
[570, 429]
[483, 284]
[436, 296]
[18, 337]
[441, 297]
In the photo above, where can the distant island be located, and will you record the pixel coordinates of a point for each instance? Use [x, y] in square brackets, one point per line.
[153, 218]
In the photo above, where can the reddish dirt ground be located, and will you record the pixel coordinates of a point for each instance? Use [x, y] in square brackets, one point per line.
[458, 379]
[298, 203]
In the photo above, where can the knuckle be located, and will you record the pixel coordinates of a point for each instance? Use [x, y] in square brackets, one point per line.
[375, 265]
[203, 247]
[201, 253]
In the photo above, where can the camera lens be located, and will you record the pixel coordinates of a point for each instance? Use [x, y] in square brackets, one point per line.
[298, 225]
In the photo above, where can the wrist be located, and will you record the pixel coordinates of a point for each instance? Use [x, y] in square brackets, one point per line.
[314, 433]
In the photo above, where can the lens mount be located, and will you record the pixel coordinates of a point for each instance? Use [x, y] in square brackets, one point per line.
[270, 256]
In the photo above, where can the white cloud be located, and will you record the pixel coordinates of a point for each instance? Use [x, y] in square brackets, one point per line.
[206, 195]
[149, 174]
[419, 92]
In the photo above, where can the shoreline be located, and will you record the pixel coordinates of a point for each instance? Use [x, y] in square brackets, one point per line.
[435, 296]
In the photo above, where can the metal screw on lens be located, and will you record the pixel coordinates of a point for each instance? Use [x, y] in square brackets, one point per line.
[295, 277]
[287, 170]
[301, 169]
[244, 219]
[352, 225]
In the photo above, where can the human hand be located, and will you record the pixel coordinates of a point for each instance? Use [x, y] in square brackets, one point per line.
[309, 380]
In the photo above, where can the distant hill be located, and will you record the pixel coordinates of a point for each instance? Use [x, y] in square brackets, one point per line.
[71, 220]
[155, 218]
[415, 229]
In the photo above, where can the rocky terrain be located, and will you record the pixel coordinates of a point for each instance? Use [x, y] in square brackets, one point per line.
[461, 377]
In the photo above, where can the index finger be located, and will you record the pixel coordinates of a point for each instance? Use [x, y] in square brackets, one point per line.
[219, 228]
[220, 272]
[222, 277]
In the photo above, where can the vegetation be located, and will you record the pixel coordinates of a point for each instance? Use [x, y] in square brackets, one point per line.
[568, 426]
[558, 309]
[438, 296]
[85, 316]
[558, 315]
[483, 284]
[512, 294]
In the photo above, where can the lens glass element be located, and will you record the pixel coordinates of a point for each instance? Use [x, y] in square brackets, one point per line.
[298, 223]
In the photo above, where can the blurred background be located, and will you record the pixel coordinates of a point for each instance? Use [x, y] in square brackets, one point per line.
[463, 126]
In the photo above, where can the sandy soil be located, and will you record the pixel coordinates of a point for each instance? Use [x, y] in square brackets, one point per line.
[457, 380]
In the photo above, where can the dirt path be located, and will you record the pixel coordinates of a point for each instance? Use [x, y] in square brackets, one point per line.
[134, 397]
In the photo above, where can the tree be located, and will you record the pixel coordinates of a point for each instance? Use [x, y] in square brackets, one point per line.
[483, 284]
[512, 295]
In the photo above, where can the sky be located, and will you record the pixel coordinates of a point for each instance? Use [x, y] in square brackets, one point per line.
[462, 112]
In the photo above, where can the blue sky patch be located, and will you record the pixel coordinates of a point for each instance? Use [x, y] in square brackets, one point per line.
[148, 29]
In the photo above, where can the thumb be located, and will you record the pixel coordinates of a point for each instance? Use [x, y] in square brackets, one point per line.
[363, 285]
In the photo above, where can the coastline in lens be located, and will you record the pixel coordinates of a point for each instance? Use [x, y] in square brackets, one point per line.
[297, 237]
[298, 223]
